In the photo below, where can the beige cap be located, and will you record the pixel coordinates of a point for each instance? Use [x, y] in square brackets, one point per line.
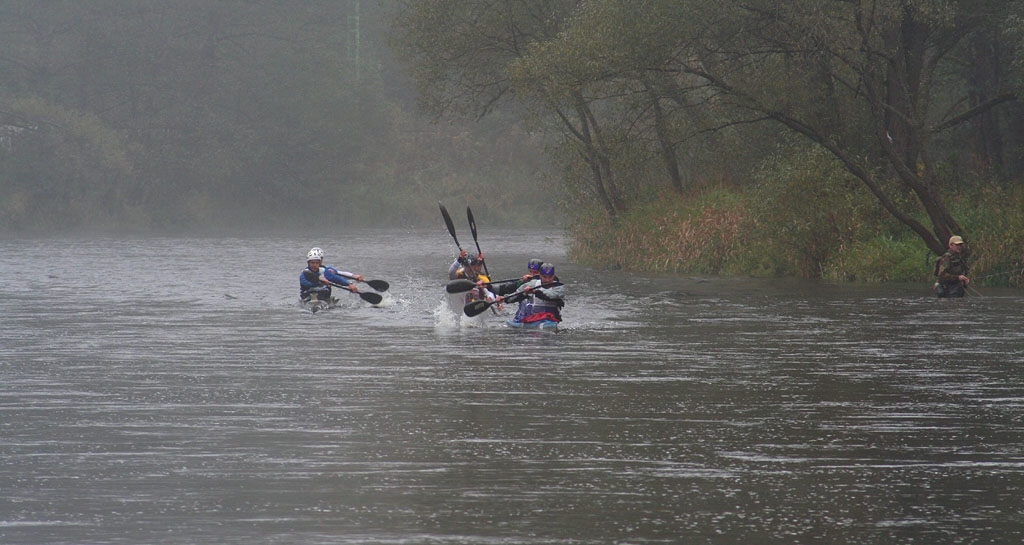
[956, 240]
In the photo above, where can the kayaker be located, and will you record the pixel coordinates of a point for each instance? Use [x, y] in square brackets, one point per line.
[316, 278]
[544, 297]
[470, 268]
[951, 270]
[467, 267]
[532, 271]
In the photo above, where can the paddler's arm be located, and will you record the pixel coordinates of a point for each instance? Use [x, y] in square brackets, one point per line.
[332, 276]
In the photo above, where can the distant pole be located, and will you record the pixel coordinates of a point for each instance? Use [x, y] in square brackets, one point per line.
[354, 29]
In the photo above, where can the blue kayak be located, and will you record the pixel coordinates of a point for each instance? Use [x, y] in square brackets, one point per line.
[539, 324]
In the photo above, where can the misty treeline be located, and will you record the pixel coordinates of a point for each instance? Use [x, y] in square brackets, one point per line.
[176, 114]
[900, 105]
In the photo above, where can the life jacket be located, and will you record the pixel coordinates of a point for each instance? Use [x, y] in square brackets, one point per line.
[535, 303]
[309, 281]
[477, 294]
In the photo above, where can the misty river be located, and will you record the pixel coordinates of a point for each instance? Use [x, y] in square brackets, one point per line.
[171, 391]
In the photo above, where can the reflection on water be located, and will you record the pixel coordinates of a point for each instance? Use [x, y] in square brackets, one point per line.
[203, 406]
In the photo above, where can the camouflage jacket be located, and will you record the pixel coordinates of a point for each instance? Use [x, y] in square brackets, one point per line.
[949, 268]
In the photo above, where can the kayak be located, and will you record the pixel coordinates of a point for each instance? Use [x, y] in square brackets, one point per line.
[539, 324]
[316, 305]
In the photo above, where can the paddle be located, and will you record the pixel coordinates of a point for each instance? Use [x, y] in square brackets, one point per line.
[476, 307]
[462, 285]
[472, 228]
[379, 285]
[451, 231]
[450, 225]
[372, 298]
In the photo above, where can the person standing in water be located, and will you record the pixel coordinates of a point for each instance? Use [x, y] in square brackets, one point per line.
[951, 270]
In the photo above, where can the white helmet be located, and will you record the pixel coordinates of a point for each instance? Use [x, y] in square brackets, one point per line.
[315, 253]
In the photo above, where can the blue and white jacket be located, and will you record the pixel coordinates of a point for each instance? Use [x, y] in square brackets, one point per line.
[311, 281]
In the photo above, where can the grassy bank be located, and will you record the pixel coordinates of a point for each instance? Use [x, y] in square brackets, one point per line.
[805, 229]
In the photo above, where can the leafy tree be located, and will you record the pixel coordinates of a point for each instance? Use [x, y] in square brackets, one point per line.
[889, 88]
[874, 83]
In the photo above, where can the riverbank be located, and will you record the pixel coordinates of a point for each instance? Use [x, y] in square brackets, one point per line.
[819, 232]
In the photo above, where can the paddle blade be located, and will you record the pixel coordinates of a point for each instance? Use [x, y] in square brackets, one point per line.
[460, 285]
[379, 285]
[449, 224]
[472, 227]
[476, 307]
[372, 298]
[472, 223]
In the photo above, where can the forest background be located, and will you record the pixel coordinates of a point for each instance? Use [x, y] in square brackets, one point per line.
[834, 139]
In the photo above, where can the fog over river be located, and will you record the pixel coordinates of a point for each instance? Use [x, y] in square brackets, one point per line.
[172, 391]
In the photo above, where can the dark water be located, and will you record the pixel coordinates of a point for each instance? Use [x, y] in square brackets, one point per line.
[171, 391]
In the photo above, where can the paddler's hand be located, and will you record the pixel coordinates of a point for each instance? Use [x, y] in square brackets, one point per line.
[352, 288]
[495, 300]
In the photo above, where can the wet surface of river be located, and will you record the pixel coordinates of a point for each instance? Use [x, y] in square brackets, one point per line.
[171, 391]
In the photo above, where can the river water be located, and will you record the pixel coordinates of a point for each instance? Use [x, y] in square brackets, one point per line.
[171, 391]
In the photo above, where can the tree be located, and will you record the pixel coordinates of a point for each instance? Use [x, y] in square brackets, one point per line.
[874, 83]
[887, 87]
[472, 56]
[579, 69]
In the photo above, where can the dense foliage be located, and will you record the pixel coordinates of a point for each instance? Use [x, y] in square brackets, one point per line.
[828, 235]
[836, 121]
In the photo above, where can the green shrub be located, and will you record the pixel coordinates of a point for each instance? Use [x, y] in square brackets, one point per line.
[882, 258]
[805, 217]
[993, 222]
[809, 211]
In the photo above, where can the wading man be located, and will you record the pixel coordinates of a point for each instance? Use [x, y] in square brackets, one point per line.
[951, 270]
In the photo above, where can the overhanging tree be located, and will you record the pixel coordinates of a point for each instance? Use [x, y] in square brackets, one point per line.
[875, 83]
[887, 87]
